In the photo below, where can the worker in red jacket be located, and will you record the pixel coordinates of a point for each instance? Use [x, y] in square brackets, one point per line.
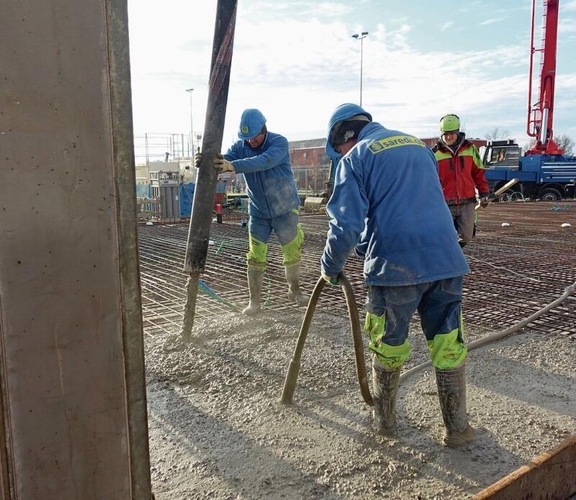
[461, 173]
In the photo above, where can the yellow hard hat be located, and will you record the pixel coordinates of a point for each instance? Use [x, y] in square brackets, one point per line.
[449, 123]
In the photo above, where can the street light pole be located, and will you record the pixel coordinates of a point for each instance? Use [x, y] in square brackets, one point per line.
[191, 122]
[361, 36]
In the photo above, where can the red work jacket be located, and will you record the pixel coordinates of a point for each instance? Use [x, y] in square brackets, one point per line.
[460, 173]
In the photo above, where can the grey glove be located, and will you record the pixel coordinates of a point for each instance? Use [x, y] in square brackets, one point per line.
[484, 201]
[197, 159]
[223, 165]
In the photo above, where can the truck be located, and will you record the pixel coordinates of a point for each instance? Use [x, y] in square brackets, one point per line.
[544, 171]
[548, 177]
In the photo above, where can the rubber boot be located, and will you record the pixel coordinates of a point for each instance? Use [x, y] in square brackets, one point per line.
[384, 391]
[452, 394]
[255, 278]
[294, 292]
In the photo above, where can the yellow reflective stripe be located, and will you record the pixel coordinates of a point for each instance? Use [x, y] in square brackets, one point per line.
[388, 355]
[466, 152]
[391, 356]
[447, 351]
[257, 253]
[440, 155]
[374, 326]
[292, 250]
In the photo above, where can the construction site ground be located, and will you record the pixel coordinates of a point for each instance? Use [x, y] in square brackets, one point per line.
[217, 428]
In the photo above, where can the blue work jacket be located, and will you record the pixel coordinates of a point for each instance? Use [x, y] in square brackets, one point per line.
[388, 203]
[269, 178]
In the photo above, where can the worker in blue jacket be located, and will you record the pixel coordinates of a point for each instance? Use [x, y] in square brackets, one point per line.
[264, 159]
[387, 204]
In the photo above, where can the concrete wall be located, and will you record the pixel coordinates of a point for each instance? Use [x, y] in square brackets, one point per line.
[71, 349]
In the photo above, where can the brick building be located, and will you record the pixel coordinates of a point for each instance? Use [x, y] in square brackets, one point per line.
[311, 165]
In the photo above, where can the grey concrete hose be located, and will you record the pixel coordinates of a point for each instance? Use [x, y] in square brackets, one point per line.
[294, 366]
[569, 290]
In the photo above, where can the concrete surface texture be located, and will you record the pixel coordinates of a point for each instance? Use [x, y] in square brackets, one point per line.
[218, 430]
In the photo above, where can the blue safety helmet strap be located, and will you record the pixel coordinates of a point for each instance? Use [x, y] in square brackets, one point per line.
[342, 113]
[251, 124]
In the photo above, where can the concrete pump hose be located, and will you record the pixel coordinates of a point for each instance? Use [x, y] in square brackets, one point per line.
[357, 338]
[569, 290]
[294, 366]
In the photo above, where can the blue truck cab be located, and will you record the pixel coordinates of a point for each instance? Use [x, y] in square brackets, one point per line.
[541, 176]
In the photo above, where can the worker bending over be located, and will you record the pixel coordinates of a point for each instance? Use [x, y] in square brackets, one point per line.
[461, 173]
[264, 159]
[387, 204]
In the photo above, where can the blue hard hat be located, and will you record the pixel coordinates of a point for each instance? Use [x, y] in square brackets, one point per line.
[251, 124]
[342, 113]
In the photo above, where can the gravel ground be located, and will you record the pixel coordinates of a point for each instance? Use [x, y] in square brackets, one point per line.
[218, 430]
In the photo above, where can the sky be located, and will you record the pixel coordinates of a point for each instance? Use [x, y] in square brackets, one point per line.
[296, 61]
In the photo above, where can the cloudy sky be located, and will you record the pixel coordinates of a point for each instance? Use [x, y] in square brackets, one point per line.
[296, 60]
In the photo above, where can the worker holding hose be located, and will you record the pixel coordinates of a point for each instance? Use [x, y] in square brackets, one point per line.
[387, 204]
[264, 159]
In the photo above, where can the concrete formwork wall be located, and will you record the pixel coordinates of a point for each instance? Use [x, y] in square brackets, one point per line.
[72, 370]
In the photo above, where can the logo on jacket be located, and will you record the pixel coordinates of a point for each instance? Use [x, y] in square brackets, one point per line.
[394, 142]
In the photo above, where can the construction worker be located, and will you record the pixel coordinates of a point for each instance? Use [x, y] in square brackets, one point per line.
[264, 159]
[387, 204]
[461, 173]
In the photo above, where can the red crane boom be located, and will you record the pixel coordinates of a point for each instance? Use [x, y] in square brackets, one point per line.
[541, 113]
